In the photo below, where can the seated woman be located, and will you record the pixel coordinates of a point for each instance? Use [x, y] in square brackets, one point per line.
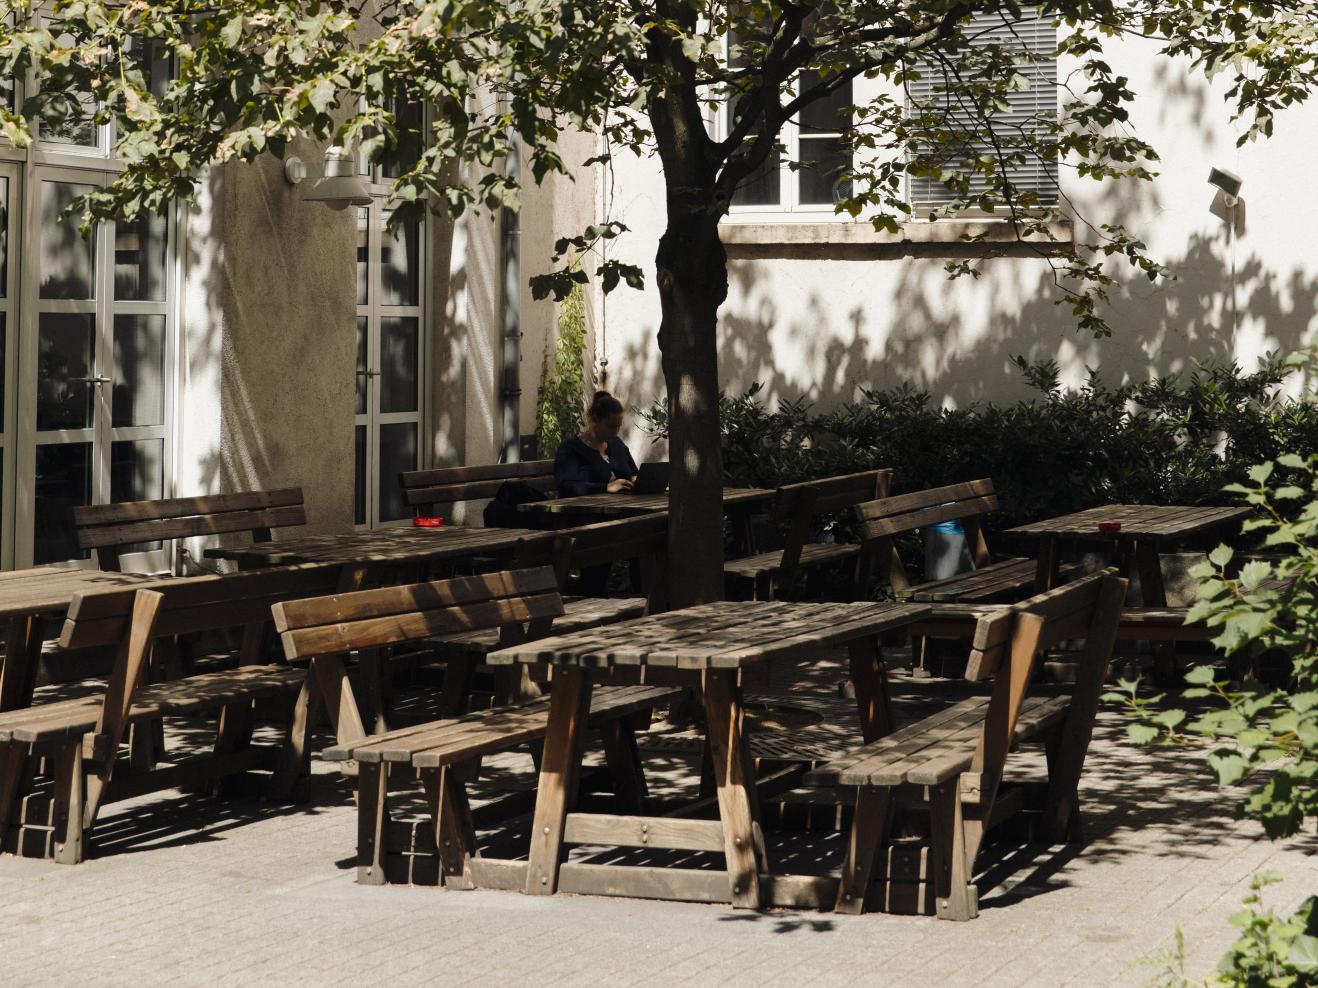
[597, 460]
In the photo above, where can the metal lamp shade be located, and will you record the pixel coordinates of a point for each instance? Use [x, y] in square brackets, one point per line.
[340, 192]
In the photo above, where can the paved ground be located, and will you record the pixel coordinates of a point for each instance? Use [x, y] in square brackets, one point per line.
[191, 891]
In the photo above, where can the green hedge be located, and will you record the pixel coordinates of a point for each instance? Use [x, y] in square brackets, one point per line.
[1174, 440]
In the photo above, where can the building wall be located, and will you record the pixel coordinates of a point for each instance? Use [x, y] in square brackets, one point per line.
[827, 310]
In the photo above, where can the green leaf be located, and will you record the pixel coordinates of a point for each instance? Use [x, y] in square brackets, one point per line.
[1141, 733]
[1303, 955]
[1220, 556]
[322, 95]
[232, 32]
[1260, 473]
[1200, 675]
[1228, 767]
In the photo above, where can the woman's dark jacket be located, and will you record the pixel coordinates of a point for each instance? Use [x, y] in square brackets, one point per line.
[578, 469]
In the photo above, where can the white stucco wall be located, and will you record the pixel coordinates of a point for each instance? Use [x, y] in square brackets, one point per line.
[827, 321]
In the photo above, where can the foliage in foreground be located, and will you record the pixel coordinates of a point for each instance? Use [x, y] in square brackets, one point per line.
[1271, 952]
[1174, 440]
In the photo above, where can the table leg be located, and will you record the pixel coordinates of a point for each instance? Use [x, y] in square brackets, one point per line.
[560, 768]
[1149, 564]
[736, 807]
[18, 675]
[1046, 566]
[871, 685]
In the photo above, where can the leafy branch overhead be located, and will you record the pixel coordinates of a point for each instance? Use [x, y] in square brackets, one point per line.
[251, 75]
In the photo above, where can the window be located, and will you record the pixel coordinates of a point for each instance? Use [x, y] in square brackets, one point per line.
[814, 146]
[1027, 110]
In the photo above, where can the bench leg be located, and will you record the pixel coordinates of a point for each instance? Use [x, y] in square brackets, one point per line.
[569, 708]
[624, 763]
[233, 733]
[869, 831]
[70, 843]
[372, 821]
[294, 763]
[955, 895]
[736, 807]
[456, 686]
[13, 763]
[870, 681]
[455, 833]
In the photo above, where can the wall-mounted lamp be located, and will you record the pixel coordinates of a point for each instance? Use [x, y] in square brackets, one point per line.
[338, 187]
[1228, 183]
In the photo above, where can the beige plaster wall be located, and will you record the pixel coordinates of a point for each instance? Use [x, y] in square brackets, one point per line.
[268, 347]
[827, 319]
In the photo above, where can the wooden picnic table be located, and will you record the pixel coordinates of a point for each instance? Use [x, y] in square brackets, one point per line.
[1146, 530]
[622, 504]
[383, 546]
[29, 596]
[708, 645]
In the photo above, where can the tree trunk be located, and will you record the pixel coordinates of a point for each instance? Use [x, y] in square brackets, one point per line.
[693, 282]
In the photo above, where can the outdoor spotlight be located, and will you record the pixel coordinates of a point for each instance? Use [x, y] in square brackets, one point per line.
[1228, 182]
[338, 187]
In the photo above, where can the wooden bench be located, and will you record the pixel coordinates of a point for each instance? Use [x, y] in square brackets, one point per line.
[882, 520]
[82, 737]
[1135, 624]
[522, 605]
[110, 529]
[952, 763]
[424, 491]
[644, 538]
[775, 573]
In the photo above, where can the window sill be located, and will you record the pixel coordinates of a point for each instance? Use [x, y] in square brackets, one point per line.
[847, 234]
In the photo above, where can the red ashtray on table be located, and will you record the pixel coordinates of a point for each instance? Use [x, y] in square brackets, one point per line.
[423, 522]
[1109, 526]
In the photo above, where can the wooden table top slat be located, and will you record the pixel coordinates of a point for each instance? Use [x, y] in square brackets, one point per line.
[723, 635]
[1138, 521]
[383, 545]
[50, 589]
[624, 504]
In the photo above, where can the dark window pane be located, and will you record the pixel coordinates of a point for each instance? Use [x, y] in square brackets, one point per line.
[407, 120]
[63, 480]
[826, 115]
[77, 111]
[363, 256]
[361, 364]
[137, 470]
[824, 161]
[397, 453]
[359, 488]
[67, 258]
[64, 362]
[398, 365]
[4, 238]
[4, 340]
[140, 259]
[762, 188]
[139, 370]
[400, 259]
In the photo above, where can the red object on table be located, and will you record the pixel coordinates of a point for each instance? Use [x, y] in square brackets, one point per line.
[422, 522]
[1109, 526]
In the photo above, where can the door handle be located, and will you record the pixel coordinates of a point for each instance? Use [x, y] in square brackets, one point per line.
[90, 380]
[369, 373]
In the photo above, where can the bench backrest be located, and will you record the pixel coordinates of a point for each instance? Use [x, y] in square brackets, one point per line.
[109, 528]
[1006, 647]
[882, 519]
[644, 538]
[423, 490]
[521, 603]
[800, 504]
[195, 604]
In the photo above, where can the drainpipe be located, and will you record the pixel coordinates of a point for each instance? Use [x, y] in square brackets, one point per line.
[510, 393]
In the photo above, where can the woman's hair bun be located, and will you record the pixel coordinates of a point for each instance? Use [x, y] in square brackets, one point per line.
[603, 405]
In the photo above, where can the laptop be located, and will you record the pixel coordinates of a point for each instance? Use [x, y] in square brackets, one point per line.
[652, 478]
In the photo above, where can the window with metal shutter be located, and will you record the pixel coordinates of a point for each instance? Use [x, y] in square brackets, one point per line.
[1028, 108]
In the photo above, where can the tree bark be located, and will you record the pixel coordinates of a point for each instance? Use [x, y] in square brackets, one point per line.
[692, 276]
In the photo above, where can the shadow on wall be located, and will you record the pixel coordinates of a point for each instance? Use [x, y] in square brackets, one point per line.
[964, 356]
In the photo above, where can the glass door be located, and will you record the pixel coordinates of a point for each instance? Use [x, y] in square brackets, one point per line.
[390, 343]
[9, 198]
[93, 368]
